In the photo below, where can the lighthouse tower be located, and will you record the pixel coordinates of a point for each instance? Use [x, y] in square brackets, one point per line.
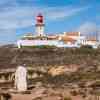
[39, 25]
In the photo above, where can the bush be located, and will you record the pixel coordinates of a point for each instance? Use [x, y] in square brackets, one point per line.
[39, 46]
[87, 49]
[74, 93]
[86, 46]
[67, 98]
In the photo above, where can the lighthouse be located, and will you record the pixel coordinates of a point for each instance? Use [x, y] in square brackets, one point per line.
[40, 25]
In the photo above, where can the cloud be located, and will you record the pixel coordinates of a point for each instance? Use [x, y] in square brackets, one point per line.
[15, 17]
[8, 3]
[98, 32]
[60, 13]
[21, 17]
[7, 36]
[88, 29]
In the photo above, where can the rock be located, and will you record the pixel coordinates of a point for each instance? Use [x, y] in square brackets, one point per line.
[54, 71]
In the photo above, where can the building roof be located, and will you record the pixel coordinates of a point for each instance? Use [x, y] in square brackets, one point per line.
[91, 39]
[72, 33]
[68, 39]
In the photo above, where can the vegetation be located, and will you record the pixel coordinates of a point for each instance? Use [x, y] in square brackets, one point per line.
[74, 93]
[67, 98]
[40, 47]
[86, 47]
[87, 59]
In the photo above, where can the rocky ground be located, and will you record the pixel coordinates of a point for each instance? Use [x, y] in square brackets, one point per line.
[68, 74]
[11, 56]
[48, 93]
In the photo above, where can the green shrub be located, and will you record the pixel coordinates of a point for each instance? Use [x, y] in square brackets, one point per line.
[67, 98]
[86, 46]
[39, 46]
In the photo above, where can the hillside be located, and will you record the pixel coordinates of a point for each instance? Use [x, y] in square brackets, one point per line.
[76, 70]
[11, 56]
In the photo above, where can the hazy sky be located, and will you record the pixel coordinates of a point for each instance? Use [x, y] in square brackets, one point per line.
[17, 17]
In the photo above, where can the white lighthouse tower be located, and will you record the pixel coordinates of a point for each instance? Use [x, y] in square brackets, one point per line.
[39, 25]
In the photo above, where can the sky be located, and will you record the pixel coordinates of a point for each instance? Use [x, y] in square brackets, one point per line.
[17, 17]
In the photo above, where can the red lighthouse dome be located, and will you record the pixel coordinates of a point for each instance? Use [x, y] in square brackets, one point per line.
[39, 19]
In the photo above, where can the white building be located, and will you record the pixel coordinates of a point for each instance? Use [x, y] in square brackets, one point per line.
[89, 41]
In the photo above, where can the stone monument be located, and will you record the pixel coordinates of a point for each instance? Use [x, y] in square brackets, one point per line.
[21, 79]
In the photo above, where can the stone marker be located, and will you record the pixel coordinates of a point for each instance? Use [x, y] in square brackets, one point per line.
[20, 79]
